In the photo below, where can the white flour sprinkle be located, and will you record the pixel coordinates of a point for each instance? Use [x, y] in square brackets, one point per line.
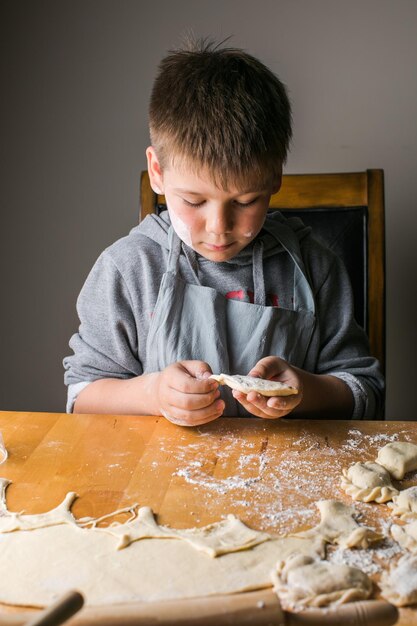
[371, 560]
[362, 559]
[221, 486]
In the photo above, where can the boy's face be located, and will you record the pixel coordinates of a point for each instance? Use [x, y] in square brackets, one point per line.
[216, 223]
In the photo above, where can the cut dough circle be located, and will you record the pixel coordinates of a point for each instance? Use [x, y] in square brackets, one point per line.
[245, 384]
[368, 482]
[302, 581]
[398, 457]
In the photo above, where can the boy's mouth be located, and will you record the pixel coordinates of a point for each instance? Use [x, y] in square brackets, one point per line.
[211, 246]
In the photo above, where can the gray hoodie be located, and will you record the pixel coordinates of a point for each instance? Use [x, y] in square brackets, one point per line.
[116, 303]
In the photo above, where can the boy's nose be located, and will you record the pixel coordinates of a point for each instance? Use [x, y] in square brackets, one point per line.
[218, 221]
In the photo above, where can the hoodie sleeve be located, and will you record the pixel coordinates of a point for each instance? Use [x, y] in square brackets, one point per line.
[106, 345]
[344, 346]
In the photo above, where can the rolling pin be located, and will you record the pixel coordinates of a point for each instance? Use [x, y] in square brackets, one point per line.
[256, 608]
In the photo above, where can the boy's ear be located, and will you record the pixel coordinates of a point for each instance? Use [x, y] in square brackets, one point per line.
[154, 170]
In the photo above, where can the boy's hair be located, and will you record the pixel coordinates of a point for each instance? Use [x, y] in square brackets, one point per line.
[222, 110]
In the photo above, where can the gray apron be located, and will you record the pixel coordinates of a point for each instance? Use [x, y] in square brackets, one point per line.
[193, 322]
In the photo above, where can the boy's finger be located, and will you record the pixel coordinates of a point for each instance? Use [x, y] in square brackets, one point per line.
[192, 401]
[260, 407]
[191, 377]
[197, 369]
[268, 367]
[182, 417]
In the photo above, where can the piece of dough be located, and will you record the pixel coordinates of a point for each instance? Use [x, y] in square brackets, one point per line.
[368, 482]
[406, 536]
[302, 581]
[10, 522]
[229, 535]
[338, 526]
[39, 565]
[398, 457]
[245, 384]
[404, 505]
[399, 585]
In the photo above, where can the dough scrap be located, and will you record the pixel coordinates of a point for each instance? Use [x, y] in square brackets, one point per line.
[10, 522]
[229, 535]
[338, 526]
[368, 482]
[404, 505]
[245, 384]
[302, 581]
[38, 566]
[406, 536]
[398, 457]
[399, 585]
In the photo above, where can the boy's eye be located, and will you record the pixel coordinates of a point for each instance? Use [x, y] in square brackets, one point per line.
[240, 204]
[243, 204]
[194, 204]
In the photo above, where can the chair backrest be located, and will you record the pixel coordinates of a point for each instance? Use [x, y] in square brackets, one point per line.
[346, 212]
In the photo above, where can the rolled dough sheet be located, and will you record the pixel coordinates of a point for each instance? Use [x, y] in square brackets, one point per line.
[40, 564]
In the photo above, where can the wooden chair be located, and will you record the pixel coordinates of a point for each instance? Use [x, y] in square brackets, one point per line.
[346, 212]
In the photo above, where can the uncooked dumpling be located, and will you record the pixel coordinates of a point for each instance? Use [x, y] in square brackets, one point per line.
[302, 581]
[404, 504]
[398, 457]
[406, 535]
[399, 585]
[368, 482]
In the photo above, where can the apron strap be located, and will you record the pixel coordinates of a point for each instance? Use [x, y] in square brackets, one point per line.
[303, 294]
[175, 247]
[191, 257]
[174, 243]
[258, 274]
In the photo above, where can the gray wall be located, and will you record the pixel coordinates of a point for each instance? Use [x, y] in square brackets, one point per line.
[75, 81]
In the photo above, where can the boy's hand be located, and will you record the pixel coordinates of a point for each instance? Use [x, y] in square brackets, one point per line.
[272, 368]
[186, 395]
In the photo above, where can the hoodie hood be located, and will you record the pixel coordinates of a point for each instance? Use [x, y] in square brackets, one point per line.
[156, 227]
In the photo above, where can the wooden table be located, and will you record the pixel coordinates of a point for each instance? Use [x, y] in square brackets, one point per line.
[269, 473]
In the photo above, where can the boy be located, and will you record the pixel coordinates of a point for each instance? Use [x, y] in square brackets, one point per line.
[214, 284]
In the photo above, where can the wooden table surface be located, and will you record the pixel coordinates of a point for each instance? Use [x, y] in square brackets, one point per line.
[267, 472]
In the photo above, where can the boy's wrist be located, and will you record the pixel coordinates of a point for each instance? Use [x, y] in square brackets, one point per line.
[324, 396]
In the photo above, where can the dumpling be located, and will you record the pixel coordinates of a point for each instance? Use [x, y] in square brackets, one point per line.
[406, 536]
[399, 585]
[368, 482]
[398, 458]
[404, 504]
[301, 581]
